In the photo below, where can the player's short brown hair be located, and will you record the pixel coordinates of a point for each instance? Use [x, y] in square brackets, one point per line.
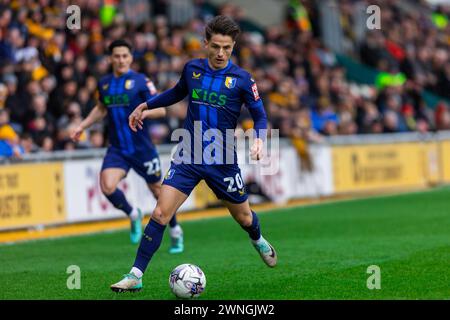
[222, 25]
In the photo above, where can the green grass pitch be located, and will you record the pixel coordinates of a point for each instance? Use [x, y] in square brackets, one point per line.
[324, 252]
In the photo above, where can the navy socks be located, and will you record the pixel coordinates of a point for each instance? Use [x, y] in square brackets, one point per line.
[173, 222]
[254, 231]
[117, 198]
[150, 242]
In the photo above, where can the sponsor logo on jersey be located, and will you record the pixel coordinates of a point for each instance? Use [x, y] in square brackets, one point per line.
[196, 75]
[129, 84]
[230, 82]
[255, 92]
[116, 99]
[210, 97]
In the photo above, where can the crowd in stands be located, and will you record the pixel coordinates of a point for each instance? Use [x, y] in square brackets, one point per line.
[49, 73]
[413, 42]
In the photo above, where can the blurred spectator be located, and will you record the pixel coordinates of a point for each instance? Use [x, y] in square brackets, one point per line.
[442, 117]
[323, 117]
[47, 144]
[27, 143]
[96, 139]
[3, 95]
[9, 140]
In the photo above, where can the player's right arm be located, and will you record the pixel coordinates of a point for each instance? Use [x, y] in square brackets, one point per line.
[96, 114]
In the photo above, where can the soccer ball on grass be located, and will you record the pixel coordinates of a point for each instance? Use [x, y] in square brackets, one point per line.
[187, 281]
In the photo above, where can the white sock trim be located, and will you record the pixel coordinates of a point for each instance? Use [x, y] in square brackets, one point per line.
[176, 231]
[134, 214]
[138, 273]
[260, 240]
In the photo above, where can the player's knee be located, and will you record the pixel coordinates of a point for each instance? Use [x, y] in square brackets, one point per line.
[107, 187]
[160, 216]
[244, 219]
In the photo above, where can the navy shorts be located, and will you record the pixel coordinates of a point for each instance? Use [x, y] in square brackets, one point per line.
[146, 164]
[224, 180]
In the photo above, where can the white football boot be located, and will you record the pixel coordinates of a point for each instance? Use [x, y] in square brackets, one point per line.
[266, 251]
[129, 283]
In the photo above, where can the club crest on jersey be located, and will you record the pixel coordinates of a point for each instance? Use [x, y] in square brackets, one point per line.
[105, 86]
[169, 174]
[230, 82]
[129, 84]
[196, 75]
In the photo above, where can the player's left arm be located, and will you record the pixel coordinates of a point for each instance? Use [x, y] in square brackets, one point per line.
[149, 91]
[256, 108]
[165, 99]
[154, 113]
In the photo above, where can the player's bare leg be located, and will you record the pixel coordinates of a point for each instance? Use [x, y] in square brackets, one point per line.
[170, 199]
[109, 179]
[176, 232]
[248, 220]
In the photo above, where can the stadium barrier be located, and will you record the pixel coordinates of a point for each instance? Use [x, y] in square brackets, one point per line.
[63, 187]
[382, 162]
[374, 167]
[31, 194]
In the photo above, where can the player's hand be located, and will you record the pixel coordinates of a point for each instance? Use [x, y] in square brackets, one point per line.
[256, 151]
[136, 118]
[76, 134]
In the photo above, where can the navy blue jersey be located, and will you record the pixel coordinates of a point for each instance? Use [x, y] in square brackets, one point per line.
[215, 99]
[121, 95]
